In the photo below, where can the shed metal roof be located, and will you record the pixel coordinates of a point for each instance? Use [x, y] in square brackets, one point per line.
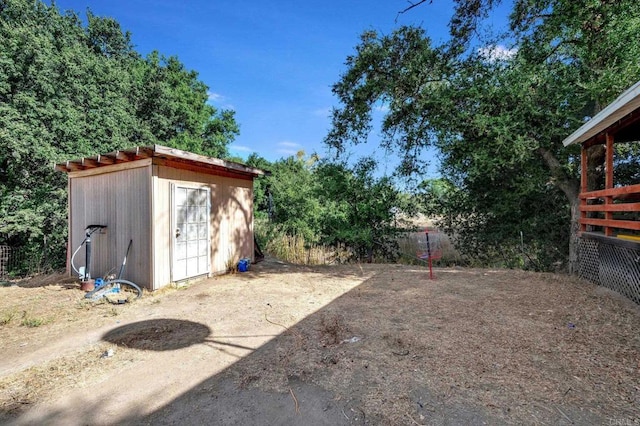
[161, 152]
[624, 105]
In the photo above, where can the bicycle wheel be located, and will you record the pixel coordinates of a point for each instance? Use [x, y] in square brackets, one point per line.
[116, 291]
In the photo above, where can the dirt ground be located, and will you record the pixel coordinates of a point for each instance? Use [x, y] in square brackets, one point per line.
[353, 344]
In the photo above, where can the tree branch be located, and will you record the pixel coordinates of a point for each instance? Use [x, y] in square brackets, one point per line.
[567, 185]
[413, 5]
[558, 46]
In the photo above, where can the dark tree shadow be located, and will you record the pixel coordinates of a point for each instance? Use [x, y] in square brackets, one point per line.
[159, 334]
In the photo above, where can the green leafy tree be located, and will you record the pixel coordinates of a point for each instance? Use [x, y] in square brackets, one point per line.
[359, 208]
[432, 194]
[69, 90]
[329, 203]
[172, 105]
[262, 197]
[498, 116]
[293, 188]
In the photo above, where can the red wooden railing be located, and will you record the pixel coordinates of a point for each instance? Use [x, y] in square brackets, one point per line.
[611, 200]
[610, 204]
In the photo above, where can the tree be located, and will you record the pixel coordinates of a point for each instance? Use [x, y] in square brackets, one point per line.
[262, 197]
[69, 90]
[328, 202]
[172, 104]
[359, 208]
[295, 204]
[497, 115]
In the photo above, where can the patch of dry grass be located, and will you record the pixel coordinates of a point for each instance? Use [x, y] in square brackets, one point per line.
[33, 313]
[20, 390]
[521, 346]
[525, 347]
[296, 250]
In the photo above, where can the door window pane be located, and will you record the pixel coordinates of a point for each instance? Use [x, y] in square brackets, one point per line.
[202, 231]
[192, 249]
[181, 196]
[202, 263]
[192, 231]
[192, 245]
[181, 250]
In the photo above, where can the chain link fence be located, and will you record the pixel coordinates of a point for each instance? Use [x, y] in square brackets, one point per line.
[8, 256]
[612, 263]
[16, 262]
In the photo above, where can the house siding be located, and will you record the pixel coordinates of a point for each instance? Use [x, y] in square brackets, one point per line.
[231, 218]
[119, 198]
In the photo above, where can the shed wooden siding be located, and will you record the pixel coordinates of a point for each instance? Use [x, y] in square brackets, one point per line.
[120, 198]
[231, 218]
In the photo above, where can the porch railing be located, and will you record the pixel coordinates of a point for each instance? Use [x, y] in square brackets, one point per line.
[614, 209]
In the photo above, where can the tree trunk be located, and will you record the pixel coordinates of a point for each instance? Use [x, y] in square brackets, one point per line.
[595, 167]
[571, 189]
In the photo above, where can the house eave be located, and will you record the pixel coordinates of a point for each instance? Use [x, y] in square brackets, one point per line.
[624, 105]
[159, 152]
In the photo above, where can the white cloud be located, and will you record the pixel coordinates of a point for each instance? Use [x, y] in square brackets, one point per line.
[215, 97]
[219, 100]
[497, 52]
[287, 144]
[288, 148]
[240, 148]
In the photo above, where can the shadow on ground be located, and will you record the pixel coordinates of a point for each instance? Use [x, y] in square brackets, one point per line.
[163, 334]
[473, 347]
[59, 279]
[325, 370]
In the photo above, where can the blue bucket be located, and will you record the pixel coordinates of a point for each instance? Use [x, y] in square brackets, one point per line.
[243, 265]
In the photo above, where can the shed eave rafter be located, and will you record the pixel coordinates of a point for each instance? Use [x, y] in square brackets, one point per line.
[214, 165]
[102, 160]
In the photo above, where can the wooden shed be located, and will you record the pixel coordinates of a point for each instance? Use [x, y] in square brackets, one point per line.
[609, 244]
[188, 215]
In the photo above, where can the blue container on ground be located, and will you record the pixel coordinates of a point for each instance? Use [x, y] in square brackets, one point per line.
[243, 265]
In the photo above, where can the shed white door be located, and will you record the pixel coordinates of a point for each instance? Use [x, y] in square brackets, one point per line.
[191, 232]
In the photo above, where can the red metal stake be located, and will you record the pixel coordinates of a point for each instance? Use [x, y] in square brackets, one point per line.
[426, 232]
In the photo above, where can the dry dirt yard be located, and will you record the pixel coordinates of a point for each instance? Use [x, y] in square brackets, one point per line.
[353, 344]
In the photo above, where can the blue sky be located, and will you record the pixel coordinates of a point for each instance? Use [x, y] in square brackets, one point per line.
[272, 62]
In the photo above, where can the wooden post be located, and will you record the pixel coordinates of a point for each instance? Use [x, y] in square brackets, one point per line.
[584, 165]
[608, 215]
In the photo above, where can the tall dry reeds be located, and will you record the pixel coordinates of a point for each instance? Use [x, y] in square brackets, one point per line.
[295, 249]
